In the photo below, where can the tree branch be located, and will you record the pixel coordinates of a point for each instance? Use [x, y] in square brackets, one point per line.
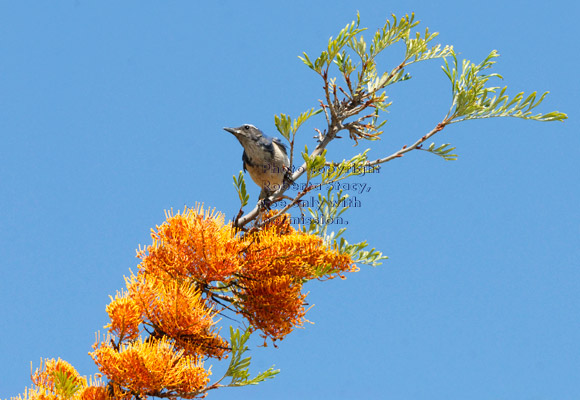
[406, 148]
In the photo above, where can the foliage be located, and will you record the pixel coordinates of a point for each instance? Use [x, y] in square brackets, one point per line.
[472, 100]
[238, 369]
[443, 151]
[240, 185]
[330, 207]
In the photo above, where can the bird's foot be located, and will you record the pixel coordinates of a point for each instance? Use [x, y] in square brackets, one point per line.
[265, 204]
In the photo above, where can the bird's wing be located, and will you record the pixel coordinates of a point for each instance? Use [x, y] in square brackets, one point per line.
[246, 161]
[280, 145]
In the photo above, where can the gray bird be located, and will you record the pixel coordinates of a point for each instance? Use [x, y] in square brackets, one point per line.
[264, 157]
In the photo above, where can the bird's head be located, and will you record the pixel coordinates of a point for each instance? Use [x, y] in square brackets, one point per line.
[246, 133]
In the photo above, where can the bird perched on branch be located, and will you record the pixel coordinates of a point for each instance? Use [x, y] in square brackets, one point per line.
[264, 157]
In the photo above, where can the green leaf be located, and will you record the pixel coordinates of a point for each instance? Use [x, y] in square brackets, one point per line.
[329, 208]
[328, 211]
[473, 98]
[307, 61]
[320, 61]
[369, 257]
[391, 33]
[442, 151]
[284, 125]
[303, 117]
[335, 172]
[240, 185]
[313, 164]
[238, 369]
[65, 385]
[344, 37]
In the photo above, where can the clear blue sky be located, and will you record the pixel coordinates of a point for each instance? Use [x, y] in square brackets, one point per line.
[112, 112]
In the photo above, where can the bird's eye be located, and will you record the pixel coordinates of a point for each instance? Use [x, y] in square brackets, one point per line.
[247, 127]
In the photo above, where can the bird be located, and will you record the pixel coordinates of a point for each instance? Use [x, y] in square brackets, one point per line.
[264, 157]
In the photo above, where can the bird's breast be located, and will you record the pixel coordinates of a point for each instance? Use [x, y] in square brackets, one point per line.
[267, 170]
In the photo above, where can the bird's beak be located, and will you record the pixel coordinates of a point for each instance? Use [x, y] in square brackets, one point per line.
[231, 130]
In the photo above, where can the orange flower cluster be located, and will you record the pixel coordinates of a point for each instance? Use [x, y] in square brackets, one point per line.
[154, 367]
[177, 310]
[57, 380]
[261, 272]
[196, 268]
[169, 363]
[276, 264]
[125, 317]
[47, 375]
[195, 244]
[163, 325]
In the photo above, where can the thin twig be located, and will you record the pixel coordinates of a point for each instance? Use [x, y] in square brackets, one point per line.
[406, 149]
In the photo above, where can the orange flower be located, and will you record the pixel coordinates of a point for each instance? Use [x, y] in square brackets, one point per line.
[37, 394]
[275, 305]
[177, 310]
[51, 372]
[125, 317]
[277, 261]
[152, 368]
[195, 243]
[284, 250]
[95, 393]
[54, 380]
[97, 390]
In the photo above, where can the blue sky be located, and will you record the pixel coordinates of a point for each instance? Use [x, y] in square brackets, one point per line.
[111, 113]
